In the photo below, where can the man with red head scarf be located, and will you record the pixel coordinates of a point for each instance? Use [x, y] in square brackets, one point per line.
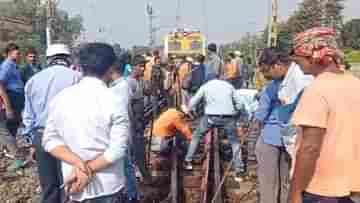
[328, 159]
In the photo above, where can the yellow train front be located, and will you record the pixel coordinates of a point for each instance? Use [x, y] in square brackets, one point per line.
[184, 43]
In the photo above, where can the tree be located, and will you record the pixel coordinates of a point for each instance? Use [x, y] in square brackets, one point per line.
[350, 34]
[66, 29]
[333, 14]
[310, 13]
[307, 16]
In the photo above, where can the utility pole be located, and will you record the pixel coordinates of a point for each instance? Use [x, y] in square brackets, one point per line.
[49, 21]
[273, 27]
[152, 29]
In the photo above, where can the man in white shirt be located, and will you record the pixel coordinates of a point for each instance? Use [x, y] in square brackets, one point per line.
[88, 131]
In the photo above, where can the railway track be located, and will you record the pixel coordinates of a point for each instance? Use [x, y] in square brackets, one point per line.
[199, 185]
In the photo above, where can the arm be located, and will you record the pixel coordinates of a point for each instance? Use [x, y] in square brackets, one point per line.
[311, 115]
[117, 149]
[5, 97]
[306, 158]
[195, 100]
[28, 114]
[264, 108]
[3, 94]
[54, 143]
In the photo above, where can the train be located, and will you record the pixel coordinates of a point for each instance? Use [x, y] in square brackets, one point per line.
[184, 43]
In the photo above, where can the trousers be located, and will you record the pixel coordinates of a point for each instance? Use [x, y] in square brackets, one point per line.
[119, 197]
[209, 122]
[50, 175]
[273, 173]
[312, 198]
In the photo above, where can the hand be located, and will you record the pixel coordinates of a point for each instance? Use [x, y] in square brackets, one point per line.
[77, 181]
[185, 109]
[255, 126]
[10, 114]
[33, 153]
[82, 166]
[295, 198]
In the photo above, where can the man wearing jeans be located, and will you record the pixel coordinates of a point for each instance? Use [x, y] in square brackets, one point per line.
[328, 159]
[220, 111]
[39, 92]
[170, 124]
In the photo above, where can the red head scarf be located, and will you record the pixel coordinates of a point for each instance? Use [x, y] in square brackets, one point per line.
[319, 44]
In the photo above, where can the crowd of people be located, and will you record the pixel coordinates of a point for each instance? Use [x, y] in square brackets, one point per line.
[86, 122]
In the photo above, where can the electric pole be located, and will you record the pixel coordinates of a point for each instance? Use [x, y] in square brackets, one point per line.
[152, 29]
[273, 27]
[49, 21]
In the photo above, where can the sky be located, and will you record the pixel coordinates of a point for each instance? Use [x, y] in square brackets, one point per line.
[125, 22]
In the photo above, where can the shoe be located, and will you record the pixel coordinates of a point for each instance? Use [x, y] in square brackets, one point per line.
[188, 165]
[16, 165]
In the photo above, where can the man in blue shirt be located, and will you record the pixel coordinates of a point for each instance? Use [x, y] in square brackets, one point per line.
[273, 161]
[39, 92]
[11, 93]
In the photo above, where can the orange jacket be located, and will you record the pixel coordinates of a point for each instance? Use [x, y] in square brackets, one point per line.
[169, 123]
[148, 71]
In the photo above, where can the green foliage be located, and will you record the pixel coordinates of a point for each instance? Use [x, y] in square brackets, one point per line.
[310, 13]
[66, 29]
[249, 46]
[350, 34]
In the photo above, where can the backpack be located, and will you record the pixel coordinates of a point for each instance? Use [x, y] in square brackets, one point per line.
[197, 77]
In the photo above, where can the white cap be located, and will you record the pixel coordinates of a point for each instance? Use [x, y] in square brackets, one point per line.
[57, 49]
[189, 59]
[237, 53]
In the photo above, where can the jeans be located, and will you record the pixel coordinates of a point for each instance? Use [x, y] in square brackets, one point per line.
[312, 198]
[131, 182]
[207, 123]
[115, 198]
[50, 175]
[161, 145]
[17, 101]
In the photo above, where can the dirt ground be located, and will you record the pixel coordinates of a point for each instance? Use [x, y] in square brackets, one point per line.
[22, 186]
[19, 186]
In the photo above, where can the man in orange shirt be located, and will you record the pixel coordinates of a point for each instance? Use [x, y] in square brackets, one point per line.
[167, 126]
[328, 159]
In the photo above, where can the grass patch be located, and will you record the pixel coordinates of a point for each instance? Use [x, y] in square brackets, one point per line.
[353, 56]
